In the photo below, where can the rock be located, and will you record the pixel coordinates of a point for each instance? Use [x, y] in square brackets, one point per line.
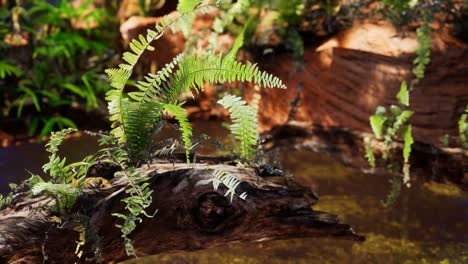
[171, 44]
[349, 75]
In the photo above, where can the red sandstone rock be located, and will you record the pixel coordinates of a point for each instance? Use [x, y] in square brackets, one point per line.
[352, 73]
[346, 77]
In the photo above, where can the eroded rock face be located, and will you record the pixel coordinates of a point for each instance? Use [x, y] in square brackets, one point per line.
[344, 79]
[171, 44]
[347, 77]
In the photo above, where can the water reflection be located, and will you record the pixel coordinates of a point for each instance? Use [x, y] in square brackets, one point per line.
[426, 225]
[16, 161]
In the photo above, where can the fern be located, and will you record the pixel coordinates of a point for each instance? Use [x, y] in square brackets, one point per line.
[64, 194]
[370, 153]
[56, 166]
[244, 125]
[139, 123]
[423, 52]
[120, 76]
[181, 116]
[391, 125]
[228, 180]
[197, 69]
[8, 69]
[141, 109]
[463, 128]
[138, 199]
[403, 94]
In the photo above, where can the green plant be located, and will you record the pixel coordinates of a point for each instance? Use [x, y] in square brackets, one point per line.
[65, 181]
[389, 126]
[463, 128]
[138, 113]
[135, 116]
[244, 126]
[60, 55]
[394, 125]
[228, 180]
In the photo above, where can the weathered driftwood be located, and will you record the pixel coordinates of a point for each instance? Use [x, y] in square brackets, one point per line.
[191, 215]
[348, 146]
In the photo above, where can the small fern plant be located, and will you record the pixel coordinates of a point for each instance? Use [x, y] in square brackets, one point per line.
[395, 124]
[65, 181]
[136, 115]
[244, 127]
[390, 126]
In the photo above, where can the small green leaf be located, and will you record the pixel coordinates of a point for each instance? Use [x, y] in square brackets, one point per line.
[380, 110]
[377, 122]
[403, 94]
[370, 153]
[408, 139]
[396, 111]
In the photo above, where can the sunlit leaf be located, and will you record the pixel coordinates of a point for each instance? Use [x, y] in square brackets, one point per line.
[403, 94]
[377, 122]
[408, 141]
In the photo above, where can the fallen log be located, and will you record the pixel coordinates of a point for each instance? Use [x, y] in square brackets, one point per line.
[191, 215]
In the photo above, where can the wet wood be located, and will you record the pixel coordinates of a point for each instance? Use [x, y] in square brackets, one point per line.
[348, 146]
[191, 215]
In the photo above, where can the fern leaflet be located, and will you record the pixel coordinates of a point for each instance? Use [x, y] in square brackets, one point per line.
[195, 70]
[181, 116]
[230, 181]
[244, 125]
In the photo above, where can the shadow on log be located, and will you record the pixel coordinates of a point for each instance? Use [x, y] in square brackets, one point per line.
[191, 215]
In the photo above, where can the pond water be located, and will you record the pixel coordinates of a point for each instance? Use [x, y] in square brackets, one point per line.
[428, 224]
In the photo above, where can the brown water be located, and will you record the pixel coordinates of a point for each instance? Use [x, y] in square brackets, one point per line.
[428, 224]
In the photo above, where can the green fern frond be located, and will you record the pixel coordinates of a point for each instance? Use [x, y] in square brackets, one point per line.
[120, 76]
[139, 122]
[9, 69]
[399, 121]
[370, 153]
[408, 141]
[57, 138]
[152, 87]
[187, 5]
[56, 166]
[230, 181]
[181, 116]
[64, 194]
[138, 199]
[197, 69]
[244, 125]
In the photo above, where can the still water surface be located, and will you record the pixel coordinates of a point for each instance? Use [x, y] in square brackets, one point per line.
[428, 224]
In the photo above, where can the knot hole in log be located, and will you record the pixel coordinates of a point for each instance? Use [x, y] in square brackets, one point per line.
[213, 212]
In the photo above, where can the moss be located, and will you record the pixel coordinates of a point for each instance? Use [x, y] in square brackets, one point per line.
[442, 189]
[377, 244]
[349, 206]
[306, 164]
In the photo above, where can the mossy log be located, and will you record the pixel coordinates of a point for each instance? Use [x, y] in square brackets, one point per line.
[190, 215]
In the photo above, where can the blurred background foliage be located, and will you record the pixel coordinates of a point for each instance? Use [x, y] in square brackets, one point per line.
[52, 61]
[53, 52]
